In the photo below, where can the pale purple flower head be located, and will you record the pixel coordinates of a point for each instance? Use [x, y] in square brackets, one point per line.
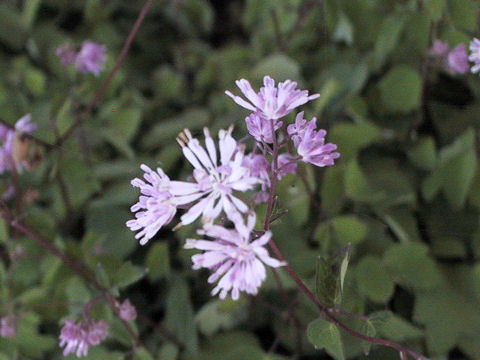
[439, 49]
[238, 264]
[156, 206]
[260, 128]
[457, 60]
[66, 53]
[91, 58]
[77, 338]
[127, 311]
[7, 138]
[258, 167]
[475, 55]
[271, 102]
[214, 180]
[8, 327]
[286, 165]
[310, 143]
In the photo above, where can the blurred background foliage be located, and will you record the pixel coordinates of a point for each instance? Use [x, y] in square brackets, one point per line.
[405, 192]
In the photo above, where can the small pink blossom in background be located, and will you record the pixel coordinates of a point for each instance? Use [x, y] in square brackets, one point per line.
[156, 206]
[271, 102]
[8, 147]
[310, 143]
[237, 263]
[77, 338]
[91, 58]
[127, 311]
[8, 327]
[454, 61]
[261, 129]
[475, 55]
[457, 60]
[439, 49]
[66, 53]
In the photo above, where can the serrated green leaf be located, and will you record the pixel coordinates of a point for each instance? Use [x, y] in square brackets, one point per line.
[325, 335]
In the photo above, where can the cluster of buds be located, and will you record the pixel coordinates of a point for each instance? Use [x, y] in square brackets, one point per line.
[222, 174]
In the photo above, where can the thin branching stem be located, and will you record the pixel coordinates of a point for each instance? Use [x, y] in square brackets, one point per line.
[328, 312]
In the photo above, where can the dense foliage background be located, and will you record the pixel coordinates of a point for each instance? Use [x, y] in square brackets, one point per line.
[405, 192]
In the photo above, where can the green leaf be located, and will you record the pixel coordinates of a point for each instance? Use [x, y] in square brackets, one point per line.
[367, 329]
[142, 354]
[463, 14]
[158, 261]
[356, 184]
[125, 122]
[344, 30]
[102, 276]
[373, 280]
[388, 37]
[30, 11]
[410, 265]
[325, 335]
[330, 275]
[350, 138]
[435, 8]
[12, 29]
[423, 154]
[128, 274]
[400, 89]
[179, 318]
[213, 317]
[349, 229]
[165, 131]
[394, 327]
[476, 280]
[278, 66]
[168, 351]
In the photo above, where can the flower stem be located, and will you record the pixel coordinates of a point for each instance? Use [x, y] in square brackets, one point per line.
[301, 285]
[96, 98]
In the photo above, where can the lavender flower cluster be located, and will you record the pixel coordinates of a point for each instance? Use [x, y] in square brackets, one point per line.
[221, 173]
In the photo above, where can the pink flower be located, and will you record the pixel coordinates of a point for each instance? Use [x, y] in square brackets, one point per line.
[8, 327]
[127, 311]
[286, 165]
[236, 261]
[77, 338]
[258, 167]
[214, 182]
[297, 129]
[10, 138]
[439, 49]
[261, 129]
[475, 55]
[66, 54]
[310, 143]
[457, 60]
[91, 58]
[271, 102]
[156, 206]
